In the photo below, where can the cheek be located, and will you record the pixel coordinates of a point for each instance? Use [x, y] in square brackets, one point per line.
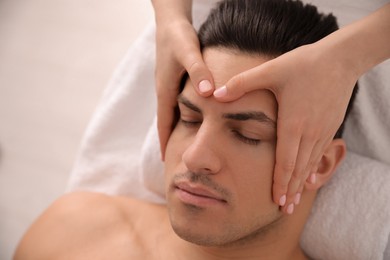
[255, 174]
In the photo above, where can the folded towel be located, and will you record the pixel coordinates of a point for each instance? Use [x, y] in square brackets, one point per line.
[350, 218]
[113, 140]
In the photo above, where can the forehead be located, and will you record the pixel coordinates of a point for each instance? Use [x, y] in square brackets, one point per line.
[224, 64]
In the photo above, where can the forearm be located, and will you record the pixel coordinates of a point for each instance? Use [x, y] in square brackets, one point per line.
[364, 43]
[172, 10]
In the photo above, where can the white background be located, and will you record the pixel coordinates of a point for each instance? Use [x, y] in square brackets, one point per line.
[56, 57]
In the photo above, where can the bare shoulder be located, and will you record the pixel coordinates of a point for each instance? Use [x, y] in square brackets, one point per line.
[81, 223]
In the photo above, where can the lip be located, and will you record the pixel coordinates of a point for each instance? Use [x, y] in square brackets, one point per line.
[197, 195]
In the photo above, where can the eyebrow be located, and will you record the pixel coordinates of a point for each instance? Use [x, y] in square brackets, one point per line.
[241, 116]
[251, 115]
[182, 99]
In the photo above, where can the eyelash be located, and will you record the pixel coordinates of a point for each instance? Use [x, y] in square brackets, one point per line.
[236, 133]
[189, 123]
[245, 139]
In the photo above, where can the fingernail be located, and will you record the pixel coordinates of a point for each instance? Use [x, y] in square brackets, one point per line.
[297, 198]
[221, 92]
[205, 86]
[290, 209]
[282, 200]
[313, 178]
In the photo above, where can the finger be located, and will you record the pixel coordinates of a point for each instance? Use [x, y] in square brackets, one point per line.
[164, 131]
[256, 78]
[299, 174]
[288, 208]
[310, 179]
[315, 158]
[286, 153]
[167, 87]
[199, 73]
[315, 161]
[165, 118]
[310, 172]
[298, 196]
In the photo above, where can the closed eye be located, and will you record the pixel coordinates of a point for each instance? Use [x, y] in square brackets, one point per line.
[188, 123]
[245, 139]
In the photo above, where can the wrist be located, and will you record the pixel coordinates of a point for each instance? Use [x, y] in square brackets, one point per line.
[343, 54]
[363, 44]
[168, 11]
[331, 59]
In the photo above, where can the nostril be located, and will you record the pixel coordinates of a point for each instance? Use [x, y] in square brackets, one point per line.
[206, 171]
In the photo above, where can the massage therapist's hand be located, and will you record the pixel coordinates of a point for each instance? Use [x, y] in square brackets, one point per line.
[312, 85]
[312, 95]
[178, 51]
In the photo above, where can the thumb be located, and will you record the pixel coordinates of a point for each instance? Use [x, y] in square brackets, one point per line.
[260, 77]
[200, 75]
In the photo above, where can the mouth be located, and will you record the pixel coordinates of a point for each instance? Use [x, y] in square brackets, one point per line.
[197, 195]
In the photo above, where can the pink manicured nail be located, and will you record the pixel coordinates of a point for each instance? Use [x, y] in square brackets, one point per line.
[221, 92]
[290, 209]
[205, 86]
[313, 178]
[282, 200]
[297, 198]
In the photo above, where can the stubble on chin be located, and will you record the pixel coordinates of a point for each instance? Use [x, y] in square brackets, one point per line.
[188, 220]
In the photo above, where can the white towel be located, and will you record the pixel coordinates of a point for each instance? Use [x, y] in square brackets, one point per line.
[351, 215]
[110, 150]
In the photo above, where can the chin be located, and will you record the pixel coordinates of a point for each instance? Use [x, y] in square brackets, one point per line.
[192, 224]
[200, 237]
[197, 228]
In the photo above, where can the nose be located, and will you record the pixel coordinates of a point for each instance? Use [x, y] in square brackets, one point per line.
[203, 154]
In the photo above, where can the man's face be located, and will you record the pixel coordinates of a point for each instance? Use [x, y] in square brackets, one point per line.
[220, 159]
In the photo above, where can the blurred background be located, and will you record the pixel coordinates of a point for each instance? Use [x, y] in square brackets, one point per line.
[56, 57]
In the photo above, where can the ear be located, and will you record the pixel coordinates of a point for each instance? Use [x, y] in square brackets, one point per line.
[332, 157]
